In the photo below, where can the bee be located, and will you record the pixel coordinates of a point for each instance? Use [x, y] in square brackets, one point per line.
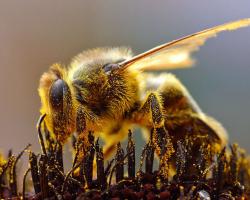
[107, 91]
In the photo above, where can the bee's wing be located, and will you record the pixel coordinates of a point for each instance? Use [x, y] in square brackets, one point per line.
[177, 53]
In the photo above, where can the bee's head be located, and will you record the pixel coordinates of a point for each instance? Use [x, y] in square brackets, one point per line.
[57, 102]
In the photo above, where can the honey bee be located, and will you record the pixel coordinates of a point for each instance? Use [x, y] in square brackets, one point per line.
[107, 90]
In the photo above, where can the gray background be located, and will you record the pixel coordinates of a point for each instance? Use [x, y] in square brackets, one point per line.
[35, 34]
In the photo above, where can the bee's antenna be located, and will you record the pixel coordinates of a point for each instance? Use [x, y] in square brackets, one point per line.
[40, 134]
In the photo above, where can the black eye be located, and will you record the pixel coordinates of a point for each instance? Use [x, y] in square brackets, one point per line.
[57, 92]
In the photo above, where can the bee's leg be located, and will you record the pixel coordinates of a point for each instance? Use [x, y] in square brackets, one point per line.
[110, 147]
[113, 136]
[152, 113]
[109, 150]
[80, 122]
[152, 108]
[152, 105]
[82, 143]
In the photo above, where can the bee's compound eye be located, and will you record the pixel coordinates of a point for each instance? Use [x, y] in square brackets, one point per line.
[57, 92]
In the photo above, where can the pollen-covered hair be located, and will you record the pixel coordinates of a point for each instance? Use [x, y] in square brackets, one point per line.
[105, 53]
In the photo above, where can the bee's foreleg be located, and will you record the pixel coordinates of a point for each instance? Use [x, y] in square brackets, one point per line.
[80, 122]
[82, 141]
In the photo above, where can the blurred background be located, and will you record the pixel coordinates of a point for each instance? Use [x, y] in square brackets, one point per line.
[36, 34]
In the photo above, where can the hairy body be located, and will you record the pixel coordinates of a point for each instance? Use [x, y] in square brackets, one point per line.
[96, 97]
[106, 90]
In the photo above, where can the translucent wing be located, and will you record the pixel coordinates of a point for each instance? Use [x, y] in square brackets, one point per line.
[177, 53]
